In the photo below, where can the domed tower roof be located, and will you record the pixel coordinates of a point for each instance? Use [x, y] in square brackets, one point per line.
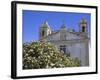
[45, 24]
[63, 27]
[83, 21]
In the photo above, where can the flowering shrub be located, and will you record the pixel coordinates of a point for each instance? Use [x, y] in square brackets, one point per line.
[45, 55]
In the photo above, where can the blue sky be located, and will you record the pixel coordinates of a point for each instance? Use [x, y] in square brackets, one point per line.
[32, 20]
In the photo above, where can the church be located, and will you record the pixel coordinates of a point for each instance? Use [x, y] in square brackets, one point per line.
[71, 42]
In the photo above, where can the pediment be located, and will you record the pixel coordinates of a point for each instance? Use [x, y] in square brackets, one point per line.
[71, 36]
[68, 36]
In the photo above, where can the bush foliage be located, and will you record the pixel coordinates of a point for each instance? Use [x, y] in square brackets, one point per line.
[45, 55]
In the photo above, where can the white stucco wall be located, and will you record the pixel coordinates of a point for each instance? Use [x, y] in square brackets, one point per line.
[54, 37]
[79, 50]
[70, 36]
[77, 47]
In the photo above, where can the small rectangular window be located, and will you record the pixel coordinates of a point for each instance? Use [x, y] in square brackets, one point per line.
[63, 48]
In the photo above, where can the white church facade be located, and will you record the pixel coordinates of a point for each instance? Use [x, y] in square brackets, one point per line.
[75, 44]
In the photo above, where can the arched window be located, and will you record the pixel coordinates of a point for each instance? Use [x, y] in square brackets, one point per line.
[83, 29]
[43, 33]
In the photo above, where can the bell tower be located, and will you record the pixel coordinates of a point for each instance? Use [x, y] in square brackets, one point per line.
[63, 32]
[83, 26]
[44, 30]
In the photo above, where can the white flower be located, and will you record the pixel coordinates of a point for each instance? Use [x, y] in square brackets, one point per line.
[47, 66]
[24, 50]
[48, 56]
[31, 50]
[52, 64]
[29, 58]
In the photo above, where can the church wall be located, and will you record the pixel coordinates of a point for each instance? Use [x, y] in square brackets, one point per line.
[77, 50]
[68, 42]
[75, 45]
[70, 36]
[53, 37]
